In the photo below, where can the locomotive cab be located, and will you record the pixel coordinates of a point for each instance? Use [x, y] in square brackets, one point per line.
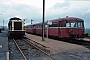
[16, 27]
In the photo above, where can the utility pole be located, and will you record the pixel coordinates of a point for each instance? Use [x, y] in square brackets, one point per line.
[47, 29]
[3, 25]
[24, 20]
[31, 21]
[43, 20]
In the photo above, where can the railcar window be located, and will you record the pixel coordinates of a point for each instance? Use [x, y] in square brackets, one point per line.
[71, 24]
[30, 26]
[83, 24]
[74, 23]
[38, 26]
[34, 26]
[54, 24]
[50, 26]
[26, 26]
[80, 24]
[67, 24]
[62, 23]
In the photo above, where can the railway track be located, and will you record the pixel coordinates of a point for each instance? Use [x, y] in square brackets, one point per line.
[19, 49]
[37, 45]
[88, 37]
[81, 42]
[34, 49]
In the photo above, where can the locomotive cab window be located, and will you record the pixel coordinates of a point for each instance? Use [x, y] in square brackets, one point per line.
[17, 26]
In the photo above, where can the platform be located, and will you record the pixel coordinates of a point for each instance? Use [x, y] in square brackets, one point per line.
[62, 50]
[3, 45]
[55, 46]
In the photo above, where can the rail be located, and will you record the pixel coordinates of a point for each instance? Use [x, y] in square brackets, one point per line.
[19, 49]
[30, 43]
[36, 42]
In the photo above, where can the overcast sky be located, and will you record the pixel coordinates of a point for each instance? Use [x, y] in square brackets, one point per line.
[32, 9]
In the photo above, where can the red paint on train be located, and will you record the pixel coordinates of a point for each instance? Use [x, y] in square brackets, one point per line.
[69, 27]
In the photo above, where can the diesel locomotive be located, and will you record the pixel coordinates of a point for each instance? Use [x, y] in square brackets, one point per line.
[16, 27]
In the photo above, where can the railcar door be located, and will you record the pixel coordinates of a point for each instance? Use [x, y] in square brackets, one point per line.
[34, 29]
[60, 29]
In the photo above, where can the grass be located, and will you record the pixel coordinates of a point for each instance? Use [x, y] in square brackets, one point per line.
[87, 31]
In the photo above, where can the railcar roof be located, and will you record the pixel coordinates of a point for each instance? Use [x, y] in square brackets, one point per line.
[60, 19]
[15, 18]
[34, 24]
[67, 18]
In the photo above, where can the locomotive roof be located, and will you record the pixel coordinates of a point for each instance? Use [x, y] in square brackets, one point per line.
[1, 27]
[15, 18]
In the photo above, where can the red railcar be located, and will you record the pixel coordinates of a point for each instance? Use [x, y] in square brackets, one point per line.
[30, 28]
[69, 27]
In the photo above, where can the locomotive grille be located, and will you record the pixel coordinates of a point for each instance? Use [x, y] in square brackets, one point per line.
[17, 26]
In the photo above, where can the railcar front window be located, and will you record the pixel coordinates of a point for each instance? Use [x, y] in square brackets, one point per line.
[71, 24]
[80, 24]
[74, 24]
[67, 24]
